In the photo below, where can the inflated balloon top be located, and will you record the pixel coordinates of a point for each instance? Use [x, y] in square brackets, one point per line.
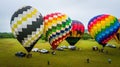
[27, 26]
[103, 28]
[56, 28]
[77, 29]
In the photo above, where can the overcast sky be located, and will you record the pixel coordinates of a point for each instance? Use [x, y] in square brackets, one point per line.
[82, 10]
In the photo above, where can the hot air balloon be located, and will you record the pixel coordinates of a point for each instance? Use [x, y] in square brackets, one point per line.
[76, 32]
[27, 26]
[56, 28]
[103, 28]
[117, 36]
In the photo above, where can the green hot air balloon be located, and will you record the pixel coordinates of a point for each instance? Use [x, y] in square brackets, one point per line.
[56, 28]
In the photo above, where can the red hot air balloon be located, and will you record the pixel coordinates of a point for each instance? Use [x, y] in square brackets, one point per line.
[76, 33]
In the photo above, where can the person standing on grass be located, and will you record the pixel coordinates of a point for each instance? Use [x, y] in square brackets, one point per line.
[109, 61]
[48, 62]
[88, 60]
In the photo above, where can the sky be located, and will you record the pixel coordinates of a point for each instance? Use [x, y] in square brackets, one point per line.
[82, 10]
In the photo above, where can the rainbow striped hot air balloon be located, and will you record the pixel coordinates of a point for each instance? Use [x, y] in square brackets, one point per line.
[56, 28]
[103, 28]
[27, 26]
[76, 32]
[117, 36]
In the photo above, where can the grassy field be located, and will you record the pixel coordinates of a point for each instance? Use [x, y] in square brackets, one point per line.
[66, 58]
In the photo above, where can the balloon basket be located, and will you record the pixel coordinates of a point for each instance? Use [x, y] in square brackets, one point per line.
[29, 55]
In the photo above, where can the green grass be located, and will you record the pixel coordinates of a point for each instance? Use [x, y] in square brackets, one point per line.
[67, 58]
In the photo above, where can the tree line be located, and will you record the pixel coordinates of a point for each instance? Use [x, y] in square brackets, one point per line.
[6, 35]
[10, 35]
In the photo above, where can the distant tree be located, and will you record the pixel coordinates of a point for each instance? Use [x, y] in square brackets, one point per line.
[6, 35]
[86, 36]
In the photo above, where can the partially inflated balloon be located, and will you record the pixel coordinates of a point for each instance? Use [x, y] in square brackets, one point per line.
[76, 32]
[27, 25]
[117, 36]
[57, 28]
[103, 28]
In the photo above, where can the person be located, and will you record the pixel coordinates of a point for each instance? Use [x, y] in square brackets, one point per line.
[99, 51]
[106, 52]
[88, 60]
[48, 62]
[29, 55]
[102, 50]
[109, 61]
[53, 52]
[119, 48]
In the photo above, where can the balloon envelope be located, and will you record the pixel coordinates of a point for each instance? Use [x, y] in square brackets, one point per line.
[117, 36]
[56, 28]
[76, 32]
[27, 25]
[103, 28]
